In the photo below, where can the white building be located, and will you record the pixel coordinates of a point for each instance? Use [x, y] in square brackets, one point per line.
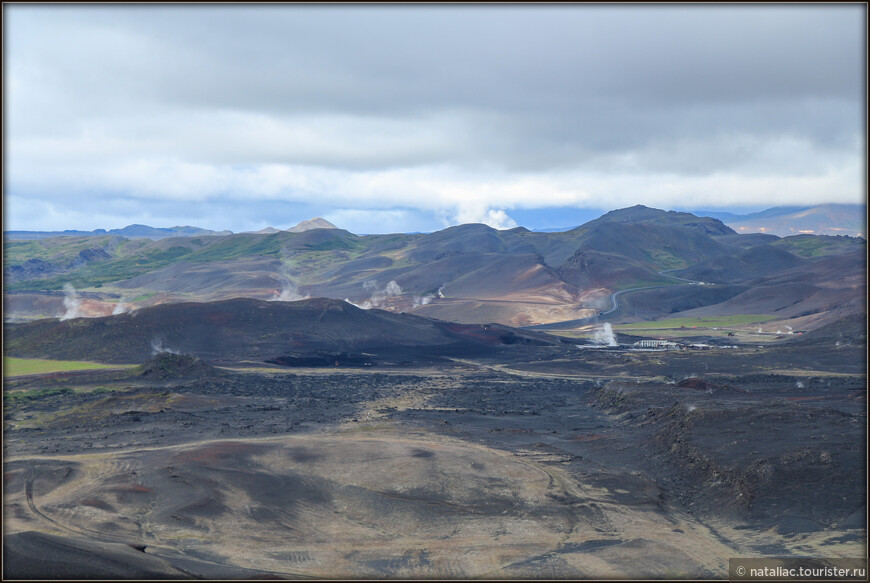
[660, 344]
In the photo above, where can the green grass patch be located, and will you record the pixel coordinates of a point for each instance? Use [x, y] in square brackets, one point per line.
[665, 260]
[13, 367]
[711, 322]
[143, 297]
[60, 250]
[240, 246]
[819, 245]
[18, 397]
[333, 245]
[107, 271]
[315, 263]
[658, 333]
[687, 333]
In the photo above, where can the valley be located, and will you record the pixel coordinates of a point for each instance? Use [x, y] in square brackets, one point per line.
[451, 293]
[645, 396]
[513, 460]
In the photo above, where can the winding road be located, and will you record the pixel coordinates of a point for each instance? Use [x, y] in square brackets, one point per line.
[614, 303]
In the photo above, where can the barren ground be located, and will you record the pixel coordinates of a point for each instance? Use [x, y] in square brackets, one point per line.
[585, 464]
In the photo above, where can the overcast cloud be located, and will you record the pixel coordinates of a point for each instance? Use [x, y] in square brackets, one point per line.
[388, 118]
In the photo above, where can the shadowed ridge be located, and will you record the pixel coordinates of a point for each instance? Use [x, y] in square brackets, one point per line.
[245, 329]
[42, 556]
[37, 555]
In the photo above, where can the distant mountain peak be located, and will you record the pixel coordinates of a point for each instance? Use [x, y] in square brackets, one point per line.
[315, 223]
[643, 214]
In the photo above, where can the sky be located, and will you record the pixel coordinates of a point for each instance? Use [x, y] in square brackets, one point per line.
[384, 118]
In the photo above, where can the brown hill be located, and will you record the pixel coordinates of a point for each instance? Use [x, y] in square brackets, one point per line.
[315, 223]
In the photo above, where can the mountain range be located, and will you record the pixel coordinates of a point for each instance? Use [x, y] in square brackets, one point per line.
[469, 273]
[156, 233]
[826, 219]
[129, 232]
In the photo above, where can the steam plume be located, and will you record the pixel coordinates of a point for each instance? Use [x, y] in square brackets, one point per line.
[378, 297]
[422, 301]
[120, 308]
[289, 292]
[71, 302]
[158, 348]
[605, 335]
[425, 299]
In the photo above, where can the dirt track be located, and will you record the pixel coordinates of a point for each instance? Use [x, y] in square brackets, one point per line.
[343, 505]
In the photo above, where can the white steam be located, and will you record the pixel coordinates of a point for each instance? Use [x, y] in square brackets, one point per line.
[378, 297]
[799, 385]
[158, 348]
[605, 335]
[289, 292]
[71, 302]
[422, 301]
[120, 308]
[393, 289]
